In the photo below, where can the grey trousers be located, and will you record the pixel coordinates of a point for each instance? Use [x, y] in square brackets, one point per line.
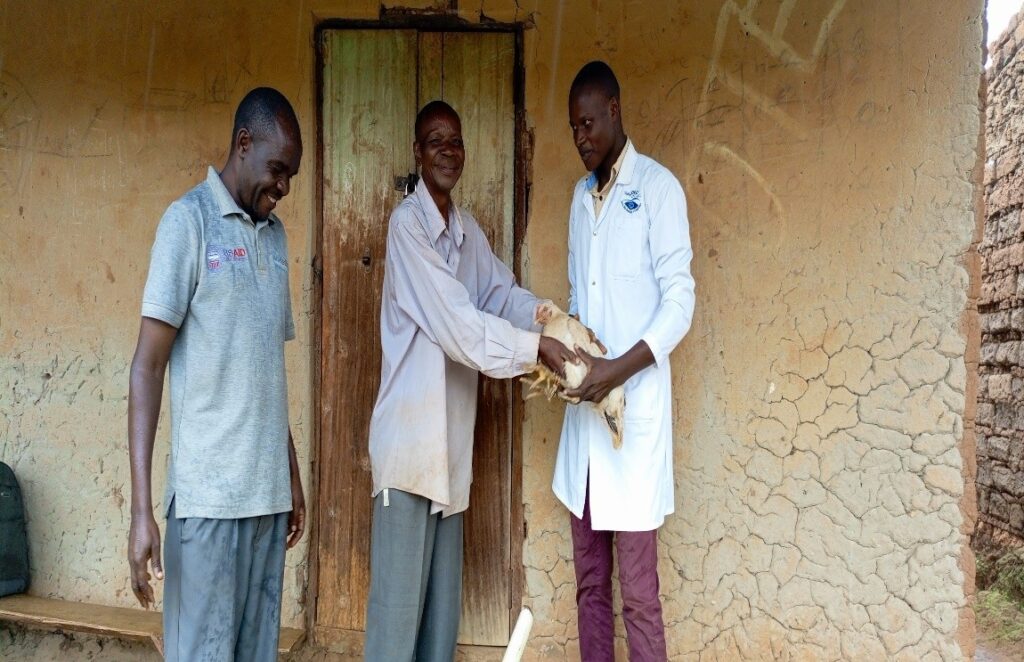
[222, 592]
[415, 581]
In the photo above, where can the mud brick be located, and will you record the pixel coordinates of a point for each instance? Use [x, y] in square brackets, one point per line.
[1008, 352]
[1006, 416]
[1015, 255]
[1017, 319]
[1016, 517]
[997, 506]
[1000, 387]
[986, 414]
[996, 321]
[998, 448]
[1007, 482]
[984, 477]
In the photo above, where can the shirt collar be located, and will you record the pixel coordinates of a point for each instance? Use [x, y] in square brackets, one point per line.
[435, 223]
[622, 169]
[226, 204]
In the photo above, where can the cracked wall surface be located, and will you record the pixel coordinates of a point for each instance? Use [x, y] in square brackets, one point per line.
[1000, 425]
[828, 151]
[821, 399]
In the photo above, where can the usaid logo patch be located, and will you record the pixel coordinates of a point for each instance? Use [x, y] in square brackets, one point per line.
[632, 201]
[217, 256]
[213, 259]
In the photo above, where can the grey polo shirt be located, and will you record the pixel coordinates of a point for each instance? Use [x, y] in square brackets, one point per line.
[223, 282]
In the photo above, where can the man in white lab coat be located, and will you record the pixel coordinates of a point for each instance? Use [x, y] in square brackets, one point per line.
[629, 281]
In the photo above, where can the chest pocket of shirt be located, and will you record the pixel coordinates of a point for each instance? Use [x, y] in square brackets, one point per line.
[627, 245]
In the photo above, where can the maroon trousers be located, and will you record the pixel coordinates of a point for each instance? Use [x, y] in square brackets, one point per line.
[638, 582]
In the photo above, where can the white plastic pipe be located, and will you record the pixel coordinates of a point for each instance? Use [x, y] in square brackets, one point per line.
[520, 635]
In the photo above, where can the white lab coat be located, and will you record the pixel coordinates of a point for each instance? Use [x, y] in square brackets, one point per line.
[629, 280]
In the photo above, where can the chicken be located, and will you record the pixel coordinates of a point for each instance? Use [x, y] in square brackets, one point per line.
[542, 381]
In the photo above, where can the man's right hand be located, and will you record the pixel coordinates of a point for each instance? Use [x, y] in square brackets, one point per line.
[143, 547]
[554, 354]
[145, 388]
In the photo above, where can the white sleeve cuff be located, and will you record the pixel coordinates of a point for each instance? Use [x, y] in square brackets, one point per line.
[660, 357]
[527, 346]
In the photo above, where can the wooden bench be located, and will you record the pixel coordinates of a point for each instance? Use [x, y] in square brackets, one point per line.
[133, 624]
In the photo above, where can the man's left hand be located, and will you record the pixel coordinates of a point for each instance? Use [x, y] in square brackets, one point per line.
[296, 518]
[554, 355]
[603, 375]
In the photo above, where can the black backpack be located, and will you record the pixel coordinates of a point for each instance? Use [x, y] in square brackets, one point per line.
[13, 535]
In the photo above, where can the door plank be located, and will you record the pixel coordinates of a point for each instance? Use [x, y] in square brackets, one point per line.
[477, 82]
[369, 105]
[431, 59]
[374, 81]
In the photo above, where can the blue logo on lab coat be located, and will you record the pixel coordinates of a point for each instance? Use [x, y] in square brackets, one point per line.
[632, 201]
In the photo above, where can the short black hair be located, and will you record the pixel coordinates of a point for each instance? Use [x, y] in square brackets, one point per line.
[261, 111]
[432, 108]
[596, 74]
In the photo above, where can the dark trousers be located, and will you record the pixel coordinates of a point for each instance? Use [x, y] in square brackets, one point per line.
[638, 582]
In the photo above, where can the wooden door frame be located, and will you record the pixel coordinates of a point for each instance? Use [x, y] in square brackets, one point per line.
[521, 194]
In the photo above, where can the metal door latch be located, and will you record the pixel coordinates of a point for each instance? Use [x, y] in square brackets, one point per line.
[406, 183]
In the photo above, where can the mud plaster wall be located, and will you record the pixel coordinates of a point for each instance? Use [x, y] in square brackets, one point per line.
[1000, 425]
[827, 149]
[107, 114]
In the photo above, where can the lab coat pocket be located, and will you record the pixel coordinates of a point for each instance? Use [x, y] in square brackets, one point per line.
[626, 248]
[641, 400]
[638, 428]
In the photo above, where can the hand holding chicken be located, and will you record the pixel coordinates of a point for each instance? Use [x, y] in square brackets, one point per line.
[573, 334]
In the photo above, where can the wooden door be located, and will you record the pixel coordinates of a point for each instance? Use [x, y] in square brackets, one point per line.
[373, 83]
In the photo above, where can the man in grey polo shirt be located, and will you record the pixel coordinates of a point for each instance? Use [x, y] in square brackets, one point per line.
[216, 306]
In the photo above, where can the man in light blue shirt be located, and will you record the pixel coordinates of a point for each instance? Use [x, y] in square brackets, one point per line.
[450, 310]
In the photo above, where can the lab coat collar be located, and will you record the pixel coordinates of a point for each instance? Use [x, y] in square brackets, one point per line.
[625, 175]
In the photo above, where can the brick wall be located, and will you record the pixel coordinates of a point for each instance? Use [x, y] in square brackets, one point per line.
[1001, 394]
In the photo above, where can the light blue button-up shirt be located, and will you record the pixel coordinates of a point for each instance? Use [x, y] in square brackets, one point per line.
[449, 310]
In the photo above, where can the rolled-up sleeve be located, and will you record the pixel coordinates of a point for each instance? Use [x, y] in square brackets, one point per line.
[671, 254]
[440, 305]
[173, 267]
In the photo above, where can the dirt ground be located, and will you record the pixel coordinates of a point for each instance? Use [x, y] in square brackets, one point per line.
[989, 651]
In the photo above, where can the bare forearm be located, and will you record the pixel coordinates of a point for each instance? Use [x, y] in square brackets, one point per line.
[297, 517]
[293, 459]
[636, 359]
[144, 395]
